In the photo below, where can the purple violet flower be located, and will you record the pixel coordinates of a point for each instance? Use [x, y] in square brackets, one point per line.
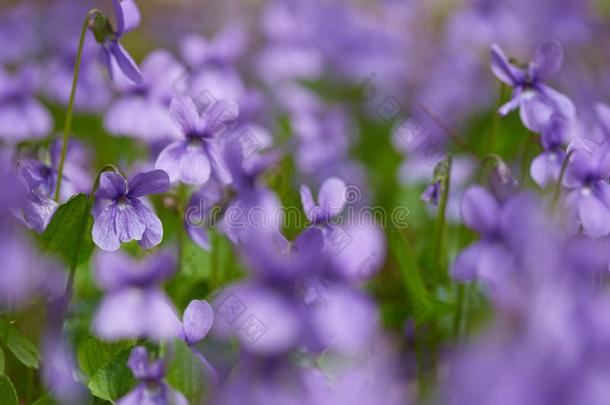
[546, 167]
[112, 53]
[152, 388]
[135, 306]
[589, 198]
[126, 218]
[199, 155]
[331, 201]
[536, 101]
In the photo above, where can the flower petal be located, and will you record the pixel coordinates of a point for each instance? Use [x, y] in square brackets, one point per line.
[127, 15]
[153, 234]
[479, 209]
[112, 186]
[502, 68]
[593, 214]
[547, 61]
[184, 114]
[197, 321]
[136, 313]
[536, 110]
[218, 116]
[464, 267]
[125, 62]
[332, 197]
[103, 233]
[127, 223]
[152, 182]
[309, 205]
[218, 164]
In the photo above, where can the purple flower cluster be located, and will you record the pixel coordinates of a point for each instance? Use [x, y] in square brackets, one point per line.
[247, 258]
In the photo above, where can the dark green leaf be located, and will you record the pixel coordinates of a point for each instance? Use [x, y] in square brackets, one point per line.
[113, 380]
[93, 354]
[23, 349]
[8, 395]
[187, 373]
[69, 232]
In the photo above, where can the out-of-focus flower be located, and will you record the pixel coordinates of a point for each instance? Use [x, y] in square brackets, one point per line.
[135, 305]
[152, 388]
[199, 155]
[331, 201]
[142, 111]
[536, 101]
[588, 200]
[514, 235]
[126, 218]
[546, 167]
[222, 50]
[197, 321]
[113, 54]
[22, 117]
[93, 92]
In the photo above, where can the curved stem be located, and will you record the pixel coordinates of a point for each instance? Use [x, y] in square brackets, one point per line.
[70, 110]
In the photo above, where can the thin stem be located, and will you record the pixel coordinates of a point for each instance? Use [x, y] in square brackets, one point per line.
[457, 320]
[495, 121]
[70, 111]
[562, 173]
[74, 262]
[181, 205]
[441, 220]
[524, 161]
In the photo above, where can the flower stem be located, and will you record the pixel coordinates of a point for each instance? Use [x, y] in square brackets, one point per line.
[70, 111]
[441, 220]
[74, 262]
[562, 173]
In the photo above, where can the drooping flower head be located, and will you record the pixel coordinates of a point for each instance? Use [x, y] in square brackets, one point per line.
[126, 218]
[134, 304]
[152, 388]
[199, 155]
[536, 101]
[113, 54]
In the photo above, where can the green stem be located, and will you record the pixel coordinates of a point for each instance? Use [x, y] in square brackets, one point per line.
[181, 205]
[495, 121]
[74, 262]
[457, 320]
[524, 160]
[441, 221]
[70, 111]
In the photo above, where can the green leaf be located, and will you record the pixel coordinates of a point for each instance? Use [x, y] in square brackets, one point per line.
[93, 354]
[187, 373]
[8, 395]
[113, 380]
[2, 361]
[24, 350]
[46, 399]
[68, 235]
